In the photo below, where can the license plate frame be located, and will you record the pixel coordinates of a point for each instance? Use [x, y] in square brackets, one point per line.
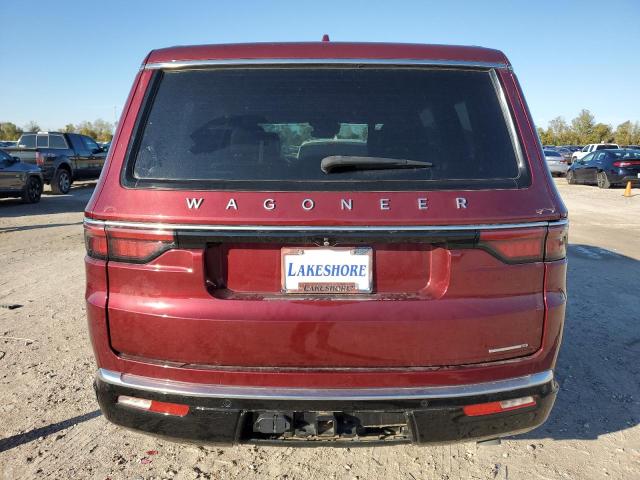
[302, 285]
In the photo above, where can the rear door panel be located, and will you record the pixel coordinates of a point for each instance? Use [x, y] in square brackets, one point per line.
[459, 305]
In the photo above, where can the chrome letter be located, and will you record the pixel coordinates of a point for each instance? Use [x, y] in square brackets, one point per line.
[194, 203]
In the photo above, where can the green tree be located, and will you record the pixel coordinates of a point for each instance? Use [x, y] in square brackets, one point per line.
[69, 128]
[602, 133]
[627, 133]
[32, 127]
[635, 133]
[9, 131]
[559, 131]
[99, 129]
[582, 126]
[546, 138]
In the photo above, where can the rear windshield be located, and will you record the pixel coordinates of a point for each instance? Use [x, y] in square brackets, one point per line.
[270, 128]
[604, 147]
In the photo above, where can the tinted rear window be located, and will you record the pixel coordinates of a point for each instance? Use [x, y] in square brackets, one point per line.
[27, 141]
[270, 128]
[603, 147]
[57, 141]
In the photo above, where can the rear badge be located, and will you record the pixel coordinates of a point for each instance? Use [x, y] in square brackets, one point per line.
[309, 204]
[340, 270]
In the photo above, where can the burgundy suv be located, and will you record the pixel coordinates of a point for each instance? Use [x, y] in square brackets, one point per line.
[326, 243]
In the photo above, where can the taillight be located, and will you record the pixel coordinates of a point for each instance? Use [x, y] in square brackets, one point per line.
[523, 245]
[95, 241]
[39, 159]
[519, 245]
[626, 163]
[556, 243]
[490, 408]
[127, 244]
[166, 408]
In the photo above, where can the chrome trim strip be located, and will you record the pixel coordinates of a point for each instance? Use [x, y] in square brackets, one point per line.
[277, 393]
[174, 64]
[508, 349]
[506, 112]
[326, 228]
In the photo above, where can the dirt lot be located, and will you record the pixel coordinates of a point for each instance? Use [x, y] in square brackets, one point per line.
[50, 426]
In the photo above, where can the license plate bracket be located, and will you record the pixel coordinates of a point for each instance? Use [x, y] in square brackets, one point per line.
[326, 270]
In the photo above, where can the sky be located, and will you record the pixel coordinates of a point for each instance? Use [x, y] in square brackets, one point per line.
[69, 61]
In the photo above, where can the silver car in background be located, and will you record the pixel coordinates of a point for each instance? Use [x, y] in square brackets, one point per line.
[557, 163]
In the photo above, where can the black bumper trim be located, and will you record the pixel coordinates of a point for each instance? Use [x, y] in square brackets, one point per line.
[227, 420]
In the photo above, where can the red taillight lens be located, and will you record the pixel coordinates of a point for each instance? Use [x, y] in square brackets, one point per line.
[39, 159]
[166, 408]
[95, 241]
[627, 163]
[515, 245]
[127, 244]
[556, 244]
[137, 246]
[490, 408]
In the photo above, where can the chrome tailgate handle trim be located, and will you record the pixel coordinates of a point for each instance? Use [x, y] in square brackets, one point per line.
[323, 228]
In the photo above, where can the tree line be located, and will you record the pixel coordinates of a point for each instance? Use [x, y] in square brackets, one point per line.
[100, 130]
[584, 129]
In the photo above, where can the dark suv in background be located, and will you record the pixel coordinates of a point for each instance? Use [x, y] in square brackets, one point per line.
[63, 157]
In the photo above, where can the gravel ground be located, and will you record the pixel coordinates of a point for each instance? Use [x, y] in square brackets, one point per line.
[50, 425]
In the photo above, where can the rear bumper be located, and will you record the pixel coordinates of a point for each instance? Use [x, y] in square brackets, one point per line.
[227, 414]
[560, 168]
[630, 177]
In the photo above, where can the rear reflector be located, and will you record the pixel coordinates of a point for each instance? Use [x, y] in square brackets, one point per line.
[166, 408]
[490, 408]
[126, 244]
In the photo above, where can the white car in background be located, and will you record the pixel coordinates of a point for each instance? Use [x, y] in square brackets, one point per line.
[592, 147]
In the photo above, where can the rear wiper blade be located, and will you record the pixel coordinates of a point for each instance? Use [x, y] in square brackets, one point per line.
[347, 162]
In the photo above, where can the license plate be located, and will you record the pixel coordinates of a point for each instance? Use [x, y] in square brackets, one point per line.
[326, 270]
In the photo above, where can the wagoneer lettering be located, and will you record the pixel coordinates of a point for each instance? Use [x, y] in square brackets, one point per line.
[372, 249]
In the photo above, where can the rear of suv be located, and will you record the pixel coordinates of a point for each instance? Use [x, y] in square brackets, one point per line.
[326, 242]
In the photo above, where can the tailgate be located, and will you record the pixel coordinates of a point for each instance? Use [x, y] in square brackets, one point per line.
[445, 297]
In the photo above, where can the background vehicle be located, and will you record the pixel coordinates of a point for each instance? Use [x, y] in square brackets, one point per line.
[450, 331]
[63, 157]
[592, 147]
[7, 143]
[556, 162]
[565, 153]
[606, 168]
[18, 179]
